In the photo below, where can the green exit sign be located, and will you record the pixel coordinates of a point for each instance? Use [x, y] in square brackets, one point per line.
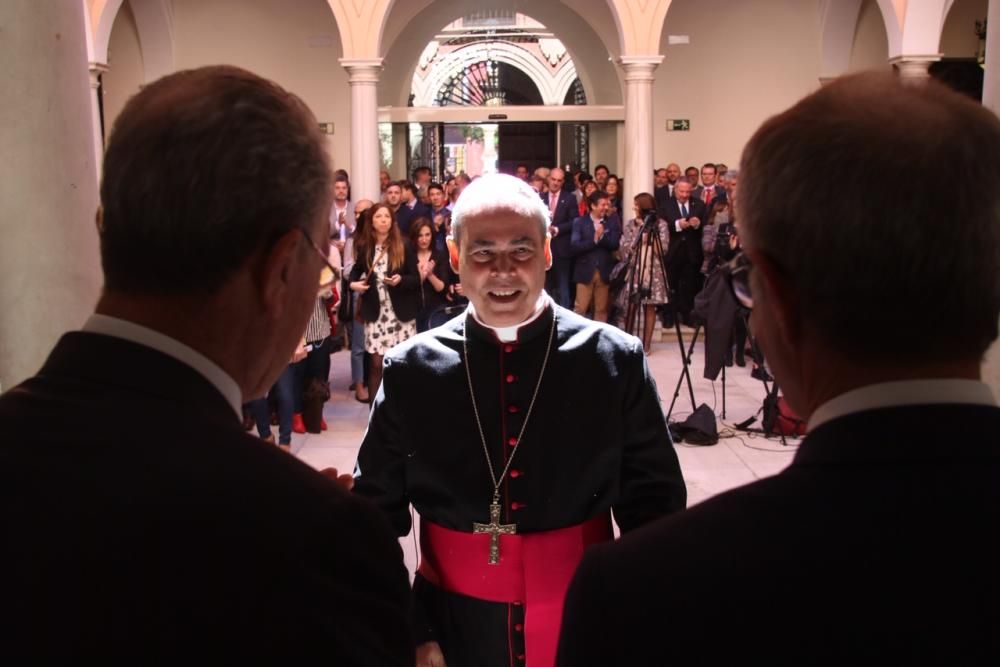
[678, 125]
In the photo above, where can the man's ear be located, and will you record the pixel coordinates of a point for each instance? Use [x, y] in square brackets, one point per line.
[99, 220]
[452, 253]
[783, 306]
[548, 252]
[274, 281]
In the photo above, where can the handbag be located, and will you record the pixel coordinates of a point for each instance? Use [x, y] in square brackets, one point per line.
[359, 317]
[618, 274]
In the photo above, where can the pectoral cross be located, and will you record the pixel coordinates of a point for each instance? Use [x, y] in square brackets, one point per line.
[495, 530]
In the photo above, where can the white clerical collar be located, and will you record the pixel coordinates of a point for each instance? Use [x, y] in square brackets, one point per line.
[509, 334]
[130, 331]
[906, 392]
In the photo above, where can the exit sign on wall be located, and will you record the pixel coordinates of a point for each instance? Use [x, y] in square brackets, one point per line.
[675, 125]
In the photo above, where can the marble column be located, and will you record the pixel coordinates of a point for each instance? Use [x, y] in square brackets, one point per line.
[991, 78]
[49, 262]
[914, 69]
[362, 76]
[96, 70]
[638, 124]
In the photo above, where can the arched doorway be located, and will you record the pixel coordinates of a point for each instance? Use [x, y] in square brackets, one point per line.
[498, 77]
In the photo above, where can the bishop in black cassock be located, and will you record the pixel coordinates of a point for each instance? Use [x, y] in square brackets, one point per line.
[595, 444]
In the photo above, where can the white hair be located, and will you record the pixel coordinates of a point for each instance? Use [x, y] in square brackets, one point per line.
[494, 194]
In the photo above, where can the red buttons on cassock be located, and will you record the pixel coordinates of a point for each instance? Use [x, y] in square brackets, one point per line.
[514, 474]
[521, 657]
[511, 441]
[515, 505]
[513, 409]
[519, 628]
[510, 379]
[508, 348]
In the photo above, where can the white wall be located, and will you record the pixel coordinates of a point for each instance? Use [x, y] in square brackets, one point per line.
[124, 76]
[958, 38]
[763, 56]
[604, 147]
[870, 50]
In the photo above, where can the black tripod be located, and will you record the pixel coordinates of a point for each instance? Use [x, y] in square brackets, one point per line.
[770, 385]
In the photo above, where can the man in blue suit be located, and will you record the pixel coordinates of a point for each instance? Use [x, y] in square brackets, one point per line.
[562, 209]
[595, 237]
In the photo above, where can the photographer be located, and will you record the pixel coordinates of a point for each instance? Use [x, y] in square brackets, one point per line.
[645, 285]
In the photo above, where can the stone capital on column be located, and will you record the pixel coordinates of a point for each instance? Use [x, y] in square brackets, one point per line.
[914, 68]
[362, 70]
[96, 70]
[639, 68]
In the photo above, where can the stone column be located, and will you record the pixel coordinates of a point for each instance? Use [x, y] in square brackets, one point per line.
[914, 69]
[400, 142]
[362, 75]
[991, 79]
[638, 124]
[96, 70]
[49, 262]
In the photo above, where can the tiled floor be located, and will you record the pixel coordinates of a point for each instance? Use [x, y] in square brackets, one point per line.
[707, 471]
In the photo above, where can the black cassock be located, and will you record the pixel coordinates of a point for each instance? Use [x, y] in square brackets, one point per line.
[596, 441]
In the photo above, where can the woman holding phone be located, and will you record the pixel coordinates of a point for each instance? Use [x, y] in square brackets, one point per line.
[386, 278]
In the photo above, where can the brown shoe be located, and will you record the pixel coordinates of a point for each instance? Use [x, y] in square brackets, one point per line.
[269, 439]
[361, 393]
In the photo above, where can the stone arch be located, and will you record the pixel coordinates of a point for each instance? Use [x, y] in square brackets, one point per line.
[589, 49]
[154, 25]
[552, 89]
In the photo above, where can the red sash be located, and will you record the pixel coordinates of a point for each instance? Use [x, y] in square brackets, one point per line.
[534, 570]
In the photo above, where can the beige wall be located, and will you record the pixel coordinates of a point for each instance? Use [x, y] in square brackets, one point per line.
[295, 44]
[871, 45]
[764, 56]
[958, 38]
[124, 76]
[604, 147]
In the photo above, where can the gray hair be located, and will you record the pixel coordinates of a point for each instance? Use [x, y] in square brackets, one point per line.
[913, 279]
[494, 194]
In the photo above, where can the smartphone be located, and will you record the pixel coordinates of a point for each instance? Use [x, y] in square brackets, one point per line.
[308, 348]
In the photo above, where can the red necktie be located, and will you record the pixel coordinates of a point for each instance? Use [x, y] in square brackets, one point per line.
[706, 195]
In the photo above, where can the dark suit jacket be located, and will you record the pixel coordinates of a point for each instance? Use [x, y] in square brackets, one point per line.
[686, 243]
[405, 216]
[590, 255]
[718, 194]
[140, 521]
[566, 212]
[876, 546]
[405, 296]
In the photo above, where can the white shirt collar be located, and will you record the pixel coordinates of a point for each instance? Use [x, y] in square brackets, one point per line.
[906, 392]
[130, 331]
[509, 334]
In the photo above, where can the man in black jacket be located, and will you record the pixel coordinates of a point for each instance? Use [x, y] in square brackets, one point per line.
[686, 219]
[140, 521]
[876, 545]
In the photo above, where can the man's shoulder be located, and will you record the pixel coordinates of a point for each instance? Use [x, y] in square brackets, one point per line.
[436, 346]
[576, 329]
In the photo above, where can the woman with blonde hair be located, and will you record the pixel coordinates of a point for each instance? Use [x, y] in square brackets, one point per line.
[386, 278]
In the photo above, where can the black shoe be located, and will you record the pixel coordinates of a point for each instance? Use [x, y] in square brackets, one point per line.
[741, 360]
[759, 373]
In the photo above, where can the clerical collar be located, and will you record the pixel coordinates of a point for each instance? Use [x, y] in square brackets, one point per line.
[516, 333]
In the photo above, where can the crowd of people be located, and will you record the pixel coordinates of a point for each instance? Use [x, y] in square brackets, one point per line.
[142, 522]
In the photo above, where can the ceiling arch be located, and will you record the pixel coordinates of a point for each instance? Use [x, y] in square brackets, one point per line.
[411, 25]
